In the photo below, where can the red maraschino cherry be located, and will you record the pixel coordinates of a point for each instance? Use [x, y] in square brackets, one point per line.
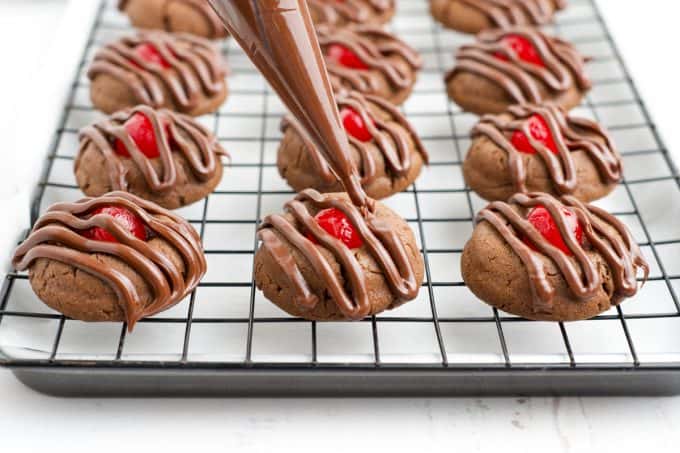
[544, 223]
[539, 131]
[149, 53]
[524, 49]
[355, 125]
[336, 223]
[124, 217]
[345, 57]
[140, 129]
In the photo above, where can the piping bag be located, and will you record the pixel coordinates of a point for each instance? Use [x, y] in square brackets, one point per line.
[279, 38]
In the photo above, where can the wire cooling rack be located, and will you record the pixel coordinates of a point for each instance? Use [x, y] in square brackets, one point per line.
[226, 338]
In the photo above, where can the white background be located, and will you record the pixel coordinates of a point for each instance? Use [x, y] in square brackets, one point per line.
[647, 34]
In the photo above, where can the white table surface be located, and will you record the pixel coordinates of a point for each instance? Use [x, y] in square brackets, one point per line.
[33, 422]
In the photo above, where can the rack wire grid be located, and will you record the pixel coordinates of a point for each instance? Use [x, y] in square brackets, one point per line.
[227, 324]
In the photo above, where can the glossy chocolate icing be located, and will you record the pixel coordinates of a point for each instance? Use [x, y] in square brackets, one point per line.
[279, 37]
[196, 68]
[334, 12]
[604, 234]
[569, 135]
[508, 13]
[375, 48]
[197, 145]
[393, 136]
[523, 81]
[55, 236]
[380, 240]
[201, 6]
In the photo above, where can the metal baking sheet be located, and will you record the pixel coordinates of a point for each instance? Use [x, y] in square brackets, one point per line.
[225, 338]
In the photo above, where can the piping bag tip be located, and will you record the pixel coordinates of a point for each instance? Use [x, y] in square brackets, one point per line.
[279, 37]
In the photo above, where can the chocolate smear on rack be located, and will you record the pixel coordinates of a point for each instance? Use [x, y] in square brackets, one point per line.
[279, 37]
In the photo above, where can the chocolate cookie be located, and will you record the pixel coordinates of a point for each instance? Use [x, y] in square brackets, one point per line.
[111, 258]
[180, 72]
[473, 16]
[369, 60]
[159, 155]
[347, 12]
[195, 17]
[551, 259]
[386, 150]
[326, 259]
[540, 149]
[516, 66]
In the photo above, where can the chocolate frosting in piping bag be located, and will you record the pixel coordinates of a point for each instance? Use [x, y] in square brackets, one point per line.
[279, 37]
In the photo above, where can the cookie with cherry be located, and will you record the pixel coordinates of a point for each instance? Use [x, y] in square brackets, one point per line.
[551, 259]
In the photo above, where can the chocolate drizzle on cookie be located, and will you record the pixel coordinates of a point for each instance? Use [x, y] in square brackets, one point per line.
[509, 13]
[55, 236]
[562, 65]
[281, 41]
[195, 68]
[393, 136]
[604, 234]
[203, 7]
[569, 135]
[199, 148]
[352, 297]
[200, 6]
[334, 12]
[377, 49]
[279, 38]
